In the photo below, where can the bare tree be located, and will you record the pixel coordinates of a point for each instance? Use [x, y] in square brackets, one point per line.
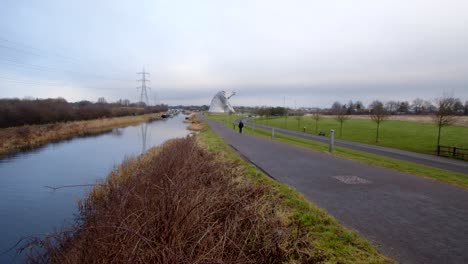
[298, 117]
[316, 116]
[101, 100]
[417, 105]
[392, 106]
[336, 107]
[445, 114]
[341, 116]
[403, 107]
[458, 107]
[359, 106]
[378, 115]
[428, 107]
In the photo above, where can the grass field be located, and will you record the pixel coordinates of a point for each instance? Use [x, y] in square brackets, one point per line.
[457, 179]
[405, 135]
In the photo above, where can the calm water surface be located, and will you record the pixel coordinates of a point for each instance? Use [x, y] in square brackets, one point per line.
[28, 208]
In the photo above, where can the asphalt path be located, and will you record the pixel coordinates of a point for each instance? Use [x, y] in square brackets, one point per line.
[424, 159]
[408, 218]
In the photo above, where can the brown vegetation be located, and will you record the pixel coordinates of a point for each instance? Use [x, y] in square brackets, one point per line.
[178, 204]
[15, 112]
[196, 124]
[26, 137]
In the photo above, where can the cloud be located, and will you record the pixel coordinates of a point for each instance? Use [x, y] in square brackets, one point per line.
[337, 48]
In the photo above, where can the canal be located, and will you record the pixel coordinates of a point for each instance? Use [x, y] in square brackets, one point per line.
[28, 208]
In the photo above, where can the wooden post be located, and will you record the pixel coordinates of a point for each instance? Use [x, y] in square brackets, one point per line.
[438, 150]
[454, 153]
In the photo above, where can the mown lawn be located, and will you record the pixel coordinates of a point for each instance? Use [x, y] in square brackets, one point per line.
[405, 135]
[457, 179]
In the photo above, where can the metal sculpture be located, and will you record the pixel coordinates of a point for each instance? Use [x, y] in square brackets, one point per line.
[220, 102]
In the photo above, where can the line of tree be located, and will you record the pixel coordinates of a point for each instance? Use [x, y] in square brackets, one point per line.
[418, 106]
[17, 112]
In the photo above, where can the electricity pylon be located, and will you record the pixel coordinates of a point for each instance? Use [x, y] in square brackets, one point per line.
[143, 87]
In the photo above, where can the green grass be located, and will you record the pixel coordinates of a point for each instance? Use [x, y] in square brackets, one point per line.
[405, 135]
[457, 179]
[331, 242]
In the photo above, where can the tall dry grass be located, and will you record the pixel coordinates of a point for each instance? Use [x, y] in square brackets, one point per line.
[26, 137]
[177, 204]
[195, 122]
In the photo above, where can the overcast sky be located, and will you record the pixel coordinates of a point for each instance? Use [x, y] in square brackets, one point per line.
[309, 52]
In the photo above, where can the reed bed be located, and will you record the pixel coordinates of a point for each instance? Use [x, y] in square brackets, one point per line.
[177, 204]
[195, 123]
[27, 137]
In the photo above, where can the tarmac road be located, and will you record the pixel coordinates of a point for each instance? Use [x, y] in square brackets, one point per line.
[410, 219]
[424, 159]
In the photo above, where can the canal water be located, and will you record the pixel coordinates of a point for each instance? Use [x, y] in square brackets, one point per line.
[28, 208]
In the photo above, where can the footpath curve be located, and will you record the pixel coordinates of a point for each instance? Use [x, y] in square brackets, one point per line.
[419, 158]
[410, 219]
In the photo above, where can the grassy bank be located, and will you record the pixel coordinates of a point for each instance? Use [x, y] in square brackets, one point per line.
[405, 135]
[195, 123]
[27, 137]
[196, 201]
[457, 179]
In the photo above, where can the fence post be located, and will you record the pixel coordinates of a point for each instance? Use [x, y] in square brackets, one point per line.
[454, 154]
[272, 133]
[332, 140]
[438, 150]
[304, 129]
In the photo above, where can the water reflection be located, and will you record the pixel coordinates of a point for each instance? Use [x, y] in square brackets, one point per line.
[117, 132]
[27, 208]
[144, 131]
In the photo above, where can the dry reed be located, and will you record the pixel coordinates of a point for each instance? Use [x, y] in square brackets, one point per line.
[177, 204]
[26, 137]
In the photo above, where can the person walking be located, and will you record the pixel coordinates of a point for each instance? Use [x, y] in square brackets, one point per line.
[241, 125]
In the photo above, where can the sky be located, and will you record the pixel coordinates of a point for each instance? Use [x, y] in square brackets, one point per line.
[299, 53]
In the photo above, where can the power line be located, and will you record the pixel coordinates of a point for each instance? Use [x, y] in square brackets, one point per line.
[39, 53]
[144, 93]
[55, 70]
[74, 60]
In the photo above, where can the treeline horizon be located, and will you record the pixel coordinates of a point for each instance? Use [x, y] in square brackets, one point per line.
[18, 112]
[418, 107]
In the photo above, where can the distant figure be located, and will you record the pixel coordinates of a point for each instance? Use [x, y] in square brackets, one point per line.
[241, 125]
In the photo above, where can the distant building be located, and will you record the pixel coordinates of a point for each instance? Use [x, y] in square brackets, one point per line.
[220, 102]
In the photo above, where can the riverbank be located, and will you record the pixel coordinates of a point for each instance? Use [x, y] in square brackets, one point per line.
[196, 124]
[194, 200]
[27, 137]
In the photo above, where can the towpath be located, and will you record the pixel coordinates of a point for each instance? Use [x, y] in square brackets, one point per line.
[410, 219]
[424, 159]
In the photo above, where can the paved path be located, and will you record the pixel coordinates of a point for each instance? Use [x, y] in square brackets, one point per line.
[409, 218]
[424, 159]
